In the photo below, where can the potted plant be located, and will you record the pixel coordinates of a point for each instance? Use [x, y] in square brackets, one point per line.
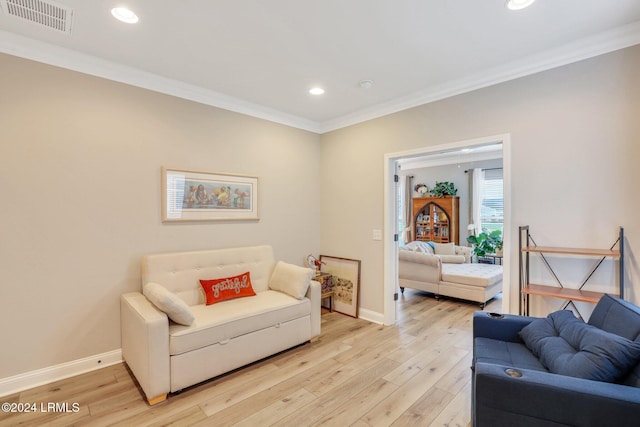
[486, 243]
[445, 188]
[499, 244]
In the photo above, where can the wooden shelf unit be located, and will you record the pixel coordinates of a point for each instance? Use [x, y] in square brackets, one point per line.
[436, 219]
[527, 246]
[563, 293]
[572, 251]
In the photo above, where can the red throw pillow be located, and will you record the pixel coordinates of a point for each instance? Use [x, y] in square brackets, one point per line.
[226, 288]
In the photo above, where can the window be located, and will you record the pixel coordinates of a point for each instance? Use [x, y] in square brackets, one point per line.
[492, 213]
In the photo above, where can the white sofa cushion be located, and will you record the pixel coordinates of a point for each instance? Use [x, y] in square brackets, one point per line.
[168, 302]
[180, 272]
[444, 248]
[452, 259]
[464, 251]
[291, 279]
[229, 319]
[482, 275]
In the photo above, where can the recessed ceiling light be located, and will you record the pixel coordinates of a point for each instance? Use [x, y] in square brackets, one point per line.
[316, 91]
[125, 15]
[519, 4]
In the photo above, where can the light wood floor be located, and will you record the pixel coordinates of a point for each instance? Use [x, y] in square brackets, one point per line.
[361, 374]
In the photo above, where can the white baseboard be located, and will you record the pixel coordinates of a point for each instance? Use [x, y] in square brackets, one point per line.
[371, 316]
[39, 377]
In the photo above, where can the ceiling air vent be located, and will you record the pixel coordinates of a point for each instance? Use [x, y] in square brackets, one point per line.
[44, 13]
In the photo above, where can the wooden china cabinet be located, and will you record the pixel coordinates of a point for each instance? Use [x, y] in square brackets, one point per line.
[436, 219]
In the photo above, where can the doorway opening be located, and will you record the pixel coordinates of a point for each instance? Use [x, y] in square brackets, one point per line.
[492, 152]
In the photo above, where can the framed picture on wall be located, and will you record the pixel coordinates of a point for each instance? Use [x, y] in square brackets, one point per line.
[208, 196]
[345, 274]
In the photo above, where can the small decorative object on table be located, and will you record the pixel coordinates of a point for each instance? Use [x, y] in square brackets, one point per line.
[326, 282]
[314, 263]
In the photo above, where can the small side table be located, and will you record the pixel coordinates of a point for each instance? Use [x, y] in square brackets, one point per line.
[326, 280]
[497, 259]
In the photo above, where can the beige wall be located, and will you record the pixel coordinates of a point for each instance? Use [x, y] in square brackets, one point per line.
[80, 161]
[575, 138]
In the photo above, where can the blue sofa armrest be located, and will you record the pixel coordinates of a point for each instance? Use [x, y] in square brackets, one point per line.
[501, 327]
[541, 398]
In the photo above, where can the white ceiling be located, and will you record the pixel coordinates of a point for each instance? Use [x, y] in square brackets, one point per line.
[260, 57]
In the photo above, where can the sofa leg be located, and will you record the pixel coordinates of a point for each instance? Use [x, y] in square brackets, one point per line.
[437, 297]
[482, 306]
[401, 290]
[155, 400]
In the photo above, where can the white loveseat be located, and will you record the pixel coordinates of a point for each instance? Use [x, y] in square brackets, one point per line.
[166, 356]
[447, 274]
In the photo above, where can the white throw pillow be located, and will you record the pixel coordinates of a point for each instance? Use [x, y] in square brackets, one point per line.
[419, 246]
[445, 249]
[168, 302]
[291, 279]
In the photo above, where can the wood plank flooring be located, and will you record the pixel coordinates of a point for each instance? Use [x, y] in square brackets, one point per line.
[415, 373]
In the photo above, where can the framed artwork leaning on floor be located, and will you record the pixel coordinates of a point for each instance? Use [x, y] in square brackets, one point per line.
[346, 282]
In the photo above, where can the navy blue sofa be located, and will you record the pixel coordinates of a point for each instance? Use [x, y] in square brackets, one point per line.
[511, 387]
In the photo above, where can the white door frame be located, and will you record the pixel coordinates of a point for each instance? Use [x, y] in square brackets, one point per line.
[390, 247]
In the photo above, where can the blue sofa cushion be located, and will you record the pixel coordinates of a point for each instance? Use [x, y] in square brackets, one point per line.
[515, 355]
[568, 346]
[633, 379]
[617, 316]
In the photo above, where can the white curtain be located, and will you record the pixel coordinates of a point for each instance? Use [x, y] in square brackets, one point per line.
[476, 199]
[406, 189]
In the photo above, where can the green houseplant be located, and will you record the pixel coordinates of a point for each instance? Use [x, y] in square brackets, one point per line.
[486, 243]
[499, 244]
[445, 188]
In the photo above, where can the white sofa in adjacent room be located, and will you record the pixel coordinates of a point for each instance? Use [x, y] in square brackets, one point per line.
[171, 339]
[449, 273]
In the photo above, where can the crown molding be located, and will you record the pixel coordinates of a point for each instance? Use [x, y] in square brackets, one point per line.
[38, 51]
[599, 44]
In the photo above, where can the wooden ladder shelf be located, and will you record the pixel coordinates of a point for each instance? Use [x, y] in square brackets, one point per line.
[528, 245]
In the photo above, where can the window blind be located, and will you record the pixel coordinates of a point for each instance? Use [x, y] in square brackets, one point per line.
[492, 216]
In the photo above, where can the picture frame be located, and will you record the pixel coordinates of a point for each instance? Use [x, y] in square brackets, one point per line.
[189, 195]
[346, 282]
